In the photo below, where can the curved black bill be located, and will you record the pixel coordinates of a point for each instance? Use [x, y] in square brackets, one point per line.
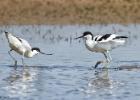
[46, 53]
[79, 37]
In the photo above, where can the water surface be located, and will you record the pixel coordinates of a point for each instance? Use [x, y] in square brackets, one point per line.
[68, 74]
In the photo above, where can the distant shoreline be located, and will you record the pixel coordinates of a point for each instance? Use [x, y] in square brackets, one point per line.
[65, 12]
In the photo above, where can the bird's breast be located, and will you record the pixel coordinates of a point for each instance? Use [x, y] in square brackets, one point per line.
[28, 54]
[91, 46]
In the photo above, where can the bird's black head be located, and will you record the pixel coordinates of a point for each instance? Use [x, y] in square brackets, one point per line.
[39, 51]
[35, 48]
[86, 34]
[5, 32]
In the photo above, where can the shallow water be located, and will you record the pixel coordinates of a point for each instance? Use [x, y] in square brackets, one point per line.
[68, 74]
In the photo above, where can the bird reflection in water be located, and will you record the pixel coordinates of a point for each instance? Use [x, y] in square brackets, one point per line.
[20, 82]
[101, 79]
[100, 82]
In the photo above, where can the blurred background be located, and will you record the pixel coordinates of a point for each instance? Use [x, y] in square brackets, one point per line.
[69, 11]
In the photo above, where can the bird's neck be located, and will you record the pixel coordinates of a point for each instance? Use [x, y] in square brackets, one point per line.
[89, 42]
[30, 54]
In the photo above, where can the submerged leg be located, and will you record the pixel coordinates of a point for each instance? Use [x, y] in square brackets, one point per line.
[13, 58]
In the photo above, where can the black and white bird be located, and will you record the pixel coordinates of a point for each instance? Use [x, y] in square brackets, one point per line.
[102, 43]
[22, 47]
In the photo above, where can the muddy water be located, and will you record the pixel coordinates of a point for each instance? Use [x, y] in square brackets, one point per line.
[68, 74]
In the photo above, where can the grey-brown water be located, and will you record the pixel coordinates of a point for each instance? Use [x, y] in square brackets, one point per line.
[68, 74]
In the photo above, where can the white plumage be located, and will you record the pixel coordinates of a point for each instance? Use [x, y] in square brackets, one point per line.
[22, 47]
[102, 43]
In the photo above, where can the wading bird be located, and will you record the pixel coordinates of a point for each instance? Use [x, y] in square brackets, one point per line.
[22, 47]
[102, 44]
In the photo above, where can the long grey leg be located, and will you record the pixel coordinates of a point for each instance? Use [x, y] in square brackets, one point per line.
[105, 56]
[13, 58]
[108, 58]
[24, 65]
[23, 59]
[109, 55]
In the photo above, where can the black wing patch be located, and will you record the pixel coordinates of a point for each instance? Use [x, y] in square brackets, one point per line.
[96, 38]
[104, 37]
[19, 39]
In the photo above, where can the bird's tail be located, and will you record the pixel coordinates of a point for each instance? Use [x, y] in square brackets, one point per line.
[6, 33]
[120, 37]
